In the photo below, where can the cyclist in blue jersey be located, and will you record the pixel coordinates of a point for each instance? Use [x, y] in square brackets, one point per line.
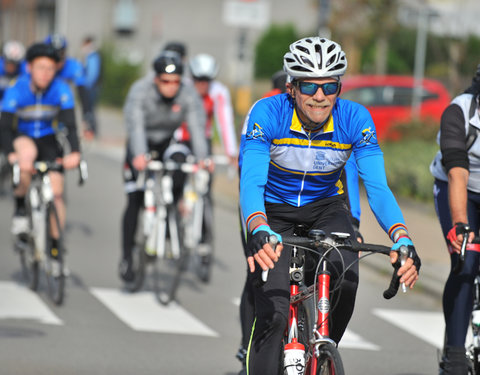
[29, 109]
[70, 70]
[296, 147]
[92, 66]
[11, 64]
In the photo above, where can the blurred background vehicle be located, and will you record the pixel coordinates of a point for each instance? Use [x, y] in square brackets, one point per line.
[389, 100]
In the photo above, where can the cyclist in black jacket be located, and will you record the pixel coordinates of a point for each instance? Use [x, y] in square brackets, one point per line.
[456, 169]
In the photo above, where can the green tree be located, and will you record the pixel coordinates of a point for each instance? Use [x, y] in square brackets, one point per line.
[271, 47]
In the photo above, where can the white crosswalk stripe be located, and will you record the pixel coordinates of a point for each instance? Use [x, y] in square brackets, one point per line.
[142, 312]
[18, 302]
[426, 325]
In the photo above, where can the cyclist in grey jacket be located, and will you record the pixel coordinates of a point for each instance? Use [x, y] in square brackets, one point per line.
[155, 107]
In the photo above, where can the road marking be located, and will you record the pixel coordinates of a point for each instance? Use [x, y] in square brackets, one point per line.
[142, 312]
[426, 325]
[351, 340]
[19, 302]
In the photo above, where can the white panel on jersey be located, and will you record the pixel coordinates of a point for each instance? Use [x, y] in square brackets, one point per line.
[351, 340]
[426, 325]
[142, 312]
[19, 302]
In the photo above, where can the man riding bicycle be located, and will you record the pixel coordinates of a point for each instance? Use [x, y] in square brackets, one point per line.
[154, 109]
[457, 201]
[296, 147]
[29, 110]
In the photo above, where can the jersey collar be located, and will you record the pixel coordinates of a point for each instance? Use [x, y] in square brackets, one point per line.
[296, 125]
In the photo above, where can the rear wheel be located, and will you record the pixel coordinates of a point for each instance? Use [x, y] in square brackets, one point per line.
[55, 258]
[171, 263]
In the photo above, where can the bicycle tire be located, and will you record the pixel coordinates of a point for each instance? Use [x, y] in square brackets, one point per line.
[329, 361]
[170, 265]
[55, 268]
[139, 257]
[204, 262]
[28, 262]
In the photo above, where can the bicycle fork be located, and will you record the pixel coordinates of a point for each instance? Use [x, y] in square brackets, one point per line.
[321, 329]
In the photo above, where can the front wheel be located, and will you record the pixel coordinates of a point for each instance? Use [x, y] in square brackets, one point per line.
[55, 258]
[172, 261]
[329, 361]
[139, 257]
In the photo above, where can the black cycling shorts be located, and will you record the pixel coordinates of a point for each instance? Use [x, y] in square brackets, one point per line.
[48, 148]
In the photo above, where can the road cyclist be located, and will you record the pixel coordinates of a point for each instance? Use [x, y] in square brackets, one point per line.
[155, 107]
[296, 146]
[29, 109]
[457, 202]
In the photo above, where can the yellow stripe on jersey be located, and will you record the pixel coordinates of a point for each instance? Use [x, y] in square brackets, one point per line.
[306, 142]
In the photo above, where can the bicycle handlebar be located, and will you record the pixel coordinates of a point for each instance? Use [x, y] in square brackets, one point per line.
[474, 245]
[45, 166]
[343, 242]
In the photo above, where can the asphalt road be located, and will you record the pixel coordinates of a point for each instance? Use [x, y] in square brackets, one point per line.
[103, 330]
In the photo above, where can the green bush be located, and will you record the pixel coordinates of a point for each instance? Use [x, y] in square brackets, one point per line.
[407, 165]
[271, 47]
[118, 74]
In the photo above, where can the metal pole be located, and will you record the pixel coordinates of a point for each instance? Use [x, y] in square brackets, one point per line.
[419, 69]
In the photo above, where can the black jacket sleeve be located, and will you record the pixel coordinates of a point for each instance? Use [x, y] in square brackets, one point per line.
[7, 132]
[67, 117]
[453, 138]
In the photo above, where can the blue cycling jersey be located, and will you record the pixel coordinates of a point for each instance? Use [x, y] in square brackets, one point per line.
[7, 79]
[37, 111]
[72, 71]
[283, 163]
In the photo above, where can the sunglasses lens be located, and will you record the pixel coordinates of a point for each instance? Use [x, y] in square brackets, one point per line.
[310, 88]
[330, 88]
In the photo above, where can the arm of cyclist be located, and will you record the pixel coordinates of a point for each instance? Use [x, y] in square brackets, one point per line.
[135, 123]
[67, 117]
[7, 135]
[456, 163]
[457, 198]
[196, 121]
[389, 216]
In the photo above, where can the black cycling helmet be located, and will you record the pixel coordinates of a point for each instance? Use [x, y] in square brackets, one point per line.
[279, 80]
[168, 62]
[42, 50]
[177, 47]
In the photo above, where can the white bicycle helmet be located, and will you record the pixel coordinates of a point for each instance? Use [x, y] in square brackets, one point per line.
[315, 57]
[203, 66]
[13, 51]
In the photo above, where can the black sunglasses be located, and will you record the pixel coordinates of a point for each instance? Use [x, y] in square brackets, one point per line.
[310, 88]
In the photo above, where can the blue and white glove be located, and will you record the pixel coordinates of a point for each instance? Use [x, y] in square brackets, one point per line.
[412, 253]
[260, 236]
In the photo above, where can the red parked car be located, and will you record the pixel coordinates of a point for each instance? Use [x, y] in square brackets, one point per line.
[389, 99]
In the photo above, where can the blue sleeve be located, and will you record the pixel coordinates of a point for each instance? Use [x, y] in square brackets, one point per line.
[67, 100]
[92, 69]
[380, 198]
[352, 187]
[10, 100]
[371, 169]
[255, 160]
